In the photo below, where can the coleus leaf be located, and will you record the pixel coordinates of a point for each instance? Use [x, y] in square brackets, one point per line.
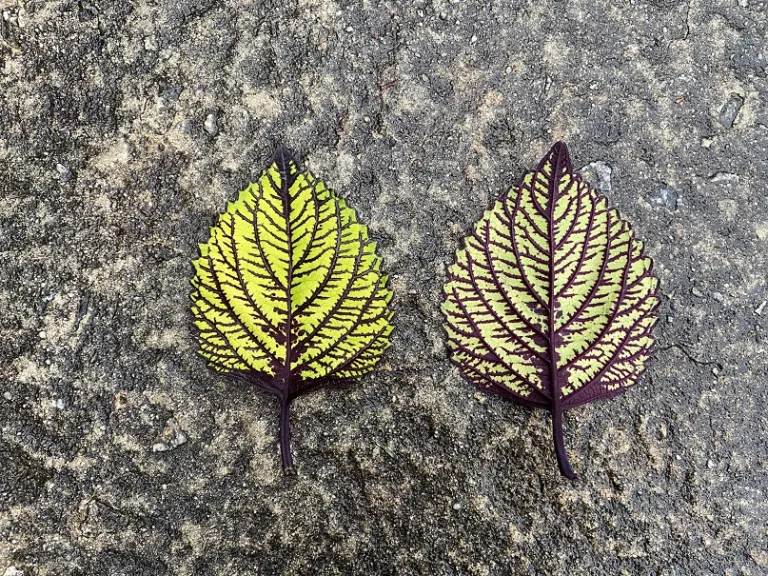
[288, 291]
[551, 301]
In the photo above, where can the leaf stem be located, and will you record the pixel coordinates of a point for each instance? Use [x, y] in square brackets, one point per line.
[285, 436]
[557, 432]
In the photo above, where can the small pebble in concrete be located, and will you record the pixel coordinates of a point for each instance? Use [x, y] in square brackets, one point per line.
[64, 172]
[724, 177]
[730, 110]
[599, 175]
[696, 292]
[718, 296]
[211, 124]
[667, 197]
[761, 307]
[171, 437]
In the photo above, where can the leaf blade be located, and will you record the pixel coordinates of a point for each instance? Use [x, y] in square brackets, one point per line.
[288, 292]
[551, 300]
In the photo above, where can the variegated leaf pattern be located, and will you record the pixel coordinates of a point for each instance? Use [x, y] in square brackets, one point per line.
[288, 290]
[551, 301]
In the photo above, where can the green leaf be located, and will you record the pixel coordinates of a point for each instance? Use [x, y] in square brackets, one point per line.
[288, 292]
[551, 302]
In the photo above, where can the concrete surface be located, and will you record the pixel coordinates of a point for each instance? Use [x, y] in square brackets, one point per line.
[126, 126]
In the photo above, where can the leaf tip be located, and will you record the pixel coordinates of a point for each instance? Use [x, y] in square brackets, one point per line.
[283, 157]
[558, 155]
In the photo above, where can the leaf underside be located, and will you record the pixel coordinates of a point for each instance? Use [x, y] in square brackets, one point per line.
[551, 301]
[288, 293]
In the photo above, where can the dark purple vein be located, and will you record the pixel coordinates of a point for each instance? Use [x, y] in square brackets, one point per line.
[338, 229]
[614, 312]
[582, 258]
[480, 337]
[480, 293]
[600, 276]
[515, 251]
[229, 306]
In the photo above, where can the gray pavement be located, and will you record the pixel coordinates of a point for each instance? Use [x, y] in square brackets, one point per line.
[126, 126]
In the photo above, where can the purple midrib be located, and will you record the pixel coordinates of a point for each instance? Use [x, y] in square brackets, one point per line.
[554, 385]
[284, 192]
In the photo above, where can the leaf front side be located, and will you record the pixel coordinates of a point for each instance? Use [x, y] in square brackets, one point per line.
[551, 302]
[288, 292]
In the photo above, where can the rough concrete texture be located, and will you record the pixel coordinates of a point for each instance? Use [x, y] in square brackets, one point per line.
[126, 126]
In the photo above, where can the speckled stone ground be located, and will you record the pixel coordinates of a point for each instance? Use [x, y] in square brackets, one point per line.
[126, 126]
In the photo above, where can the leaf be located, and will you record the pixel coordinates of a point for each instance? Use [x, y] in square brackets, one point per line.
[551, 302]
[288, 292]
